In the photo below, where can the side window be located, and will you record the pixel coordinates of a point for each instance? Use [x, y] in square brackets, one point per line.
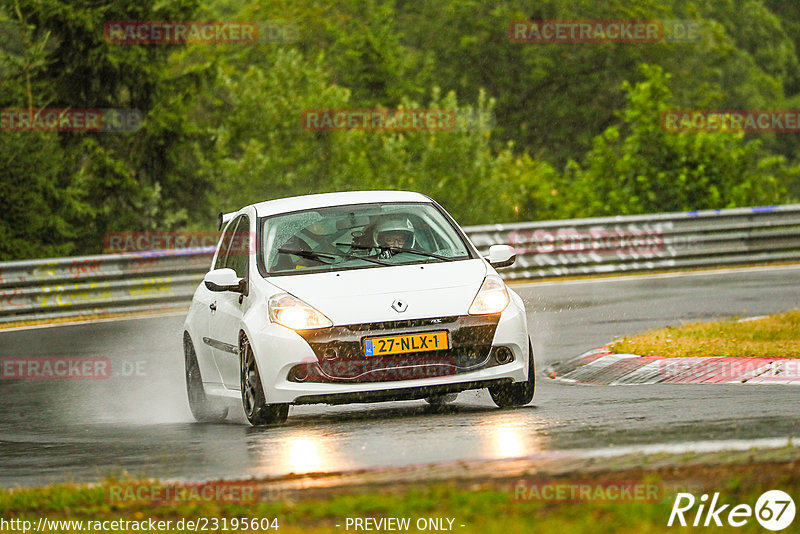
[238, 255]
[227, 237]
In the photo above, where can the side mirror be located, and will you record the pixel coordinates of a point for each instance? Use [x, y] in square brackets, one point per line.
[501, 256]
[220, 280]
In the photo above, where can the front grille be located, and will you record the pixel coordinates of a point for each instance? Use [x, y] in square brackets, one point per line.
[392, 325]
[341, 358]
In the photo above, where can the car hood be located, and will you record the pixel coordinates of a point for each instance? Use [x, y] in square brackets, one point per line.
[366, 295]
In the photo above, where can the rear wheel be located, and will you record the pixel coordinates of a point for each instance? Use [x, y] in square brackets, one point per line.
[518, 393]
[255, 405]
[203, 409]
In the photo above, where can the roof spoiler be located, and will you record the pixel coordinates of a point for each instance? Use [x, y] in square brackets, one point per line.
[224, 218]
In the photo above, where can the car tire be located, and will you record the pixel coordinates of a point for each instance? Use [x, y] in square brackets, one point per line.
[441, 400]
[256, 409]
[518, 393]
[203, 409]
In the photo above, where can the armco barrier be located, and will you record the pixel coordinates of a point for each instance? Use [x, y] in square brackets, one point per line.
[109, 283]
[51, 288]
[706, 238]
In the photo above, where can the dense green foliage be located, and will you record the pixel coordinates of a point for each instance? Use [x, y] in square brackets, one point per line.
[574, 128]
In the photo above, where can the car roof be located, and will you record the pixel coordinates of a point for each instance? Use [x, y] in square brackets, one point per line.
[322, 200]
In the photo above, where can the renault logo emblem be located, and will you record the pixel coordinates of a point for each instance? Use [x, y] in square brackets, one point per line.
[399, 306]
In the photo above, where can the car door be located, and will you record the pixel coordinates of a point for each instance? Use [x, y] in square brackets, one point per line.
[229, 306]
[202, 304]
[204, 307]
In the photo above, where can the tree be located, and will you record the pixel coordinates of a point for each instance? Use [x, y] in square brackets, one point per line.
[36, 204]
[641, 168]
[126, 180]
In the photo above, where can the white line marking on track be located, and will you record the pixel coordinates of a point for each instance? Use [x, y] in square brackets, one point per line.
[694, 446]
[93, 321]
[633, 277]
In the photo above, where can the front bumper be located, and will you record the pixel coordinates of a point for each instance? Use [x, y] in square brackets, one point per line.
[335, 369]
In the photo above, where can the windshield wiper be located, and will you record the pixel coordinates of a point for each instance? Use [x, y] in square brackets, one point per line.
[315, 256]
[307, 254]
[398, 249]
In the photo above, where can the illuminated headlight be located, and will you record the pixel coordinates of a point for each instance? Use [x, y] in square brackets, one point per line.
[492, 297]
[293, 313]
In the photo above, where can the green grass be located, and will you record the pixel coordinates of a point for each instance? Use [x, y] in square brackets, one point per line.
[484, 508]
[774, 336]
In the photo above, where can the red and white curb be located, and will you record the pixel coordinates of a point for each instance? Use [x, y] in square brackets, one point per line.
[601, 366]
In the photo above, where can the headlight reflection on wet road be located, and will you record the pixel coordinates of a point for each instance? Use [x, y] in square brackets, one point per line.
[512, 438]
[304, 452]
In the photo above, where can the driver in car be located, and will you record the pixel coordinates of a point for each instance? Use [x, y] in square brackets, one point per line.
[393, 233]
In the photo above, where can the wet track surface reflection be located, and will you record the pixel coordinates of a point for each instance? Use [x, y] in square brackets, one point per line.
[138, 421]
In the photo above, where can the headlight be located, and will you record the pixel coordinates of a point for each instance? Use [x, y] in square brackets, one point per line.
[492, 297]
[293, 313]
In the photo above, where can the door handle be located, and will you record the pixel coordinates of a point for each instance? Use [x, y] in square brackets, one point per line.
[213, 306]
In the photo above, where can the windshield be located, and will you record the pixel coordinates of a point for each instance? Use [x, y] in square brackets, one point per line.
[358, 236]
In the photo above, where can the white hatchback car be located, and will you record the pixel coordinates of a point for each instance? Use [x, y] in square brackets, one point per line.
[351, 297]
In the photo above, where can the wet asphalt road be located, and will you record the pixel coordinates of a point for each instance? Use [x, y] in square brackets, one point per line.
[138, 421]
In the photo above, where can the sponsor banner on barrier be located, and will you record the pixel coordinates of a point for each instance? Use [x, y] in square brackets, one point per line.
[70, 120]
[179, 32]
[573, 491]
[730, 121]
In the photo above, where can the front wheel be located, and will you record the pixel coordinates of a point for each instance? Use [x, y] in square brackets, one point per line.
[255, 405]
[518, 393]
[203, 409]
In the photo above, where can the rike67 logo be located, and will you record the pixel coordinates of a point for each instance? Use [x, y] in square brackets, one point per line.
[774, 510]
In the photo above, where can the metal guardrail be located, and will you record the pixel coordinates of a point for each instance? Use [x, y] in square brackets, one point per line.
[738, 236]
[90, 285]
[102, 284]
